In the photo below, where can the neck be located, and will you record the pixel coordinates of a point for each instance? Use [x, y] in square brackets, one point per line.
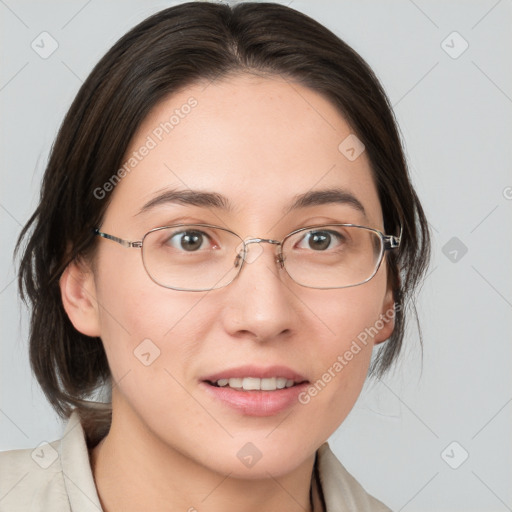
[133, 468]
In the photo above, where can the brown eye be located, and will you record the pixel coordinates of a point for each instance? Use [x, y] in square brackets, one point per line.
[189, 241]
[320, 240]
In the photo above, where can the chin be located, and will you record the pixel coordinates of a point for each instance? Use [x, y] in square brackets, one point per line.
[253, 458]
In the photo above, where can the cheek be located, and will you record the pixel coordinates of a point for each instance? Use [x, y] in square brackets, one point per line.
[153, 339]
[349, 314]
[343, 351]
[139, 318]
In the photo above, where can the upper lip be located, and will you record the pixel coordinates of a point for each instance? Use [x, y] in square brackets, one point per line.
[257, 372]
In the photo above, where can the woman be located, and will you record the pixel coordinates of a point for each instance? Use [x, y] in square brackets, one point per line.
[252, 159]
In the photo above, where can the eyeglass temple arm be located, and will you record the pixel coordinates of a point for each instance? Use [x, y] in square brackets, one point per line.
[124, 243]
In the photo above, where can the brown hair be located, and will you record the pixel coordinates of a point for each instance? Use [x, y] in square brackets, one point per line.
[167, 52]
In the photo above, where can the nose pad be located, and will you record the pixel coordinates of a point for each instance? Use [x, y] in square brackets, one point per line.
[252, 252]
[238, 260]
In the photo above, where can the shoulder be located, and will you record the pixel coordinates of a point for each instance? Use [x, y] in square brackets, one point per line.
[340, 489]
[53, 476]
[30, 479]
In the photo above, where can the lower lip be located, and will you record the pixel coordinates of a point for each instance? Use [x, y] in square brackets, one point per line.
[257, 403]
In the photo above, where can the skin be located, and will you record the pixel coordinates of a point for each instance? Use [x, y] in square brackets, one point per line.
[260, 141]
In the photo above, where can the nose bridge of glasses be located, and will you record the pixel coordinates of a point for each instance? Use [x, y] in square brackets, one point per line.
[261, 240]
[250, 257]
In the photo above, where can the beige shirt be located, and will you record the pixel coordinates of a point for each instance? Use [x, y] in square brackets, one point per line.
[57, 477]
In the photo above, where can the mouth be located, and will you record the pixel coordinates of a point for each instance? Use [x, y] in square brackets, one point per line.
[256, 391]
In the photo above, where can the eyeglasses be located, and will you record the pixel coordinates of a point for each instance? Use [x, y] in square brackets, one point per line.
[203, 257]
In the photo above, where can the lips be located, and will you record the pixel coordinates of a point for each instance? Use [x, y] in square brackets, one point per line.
[256, 391]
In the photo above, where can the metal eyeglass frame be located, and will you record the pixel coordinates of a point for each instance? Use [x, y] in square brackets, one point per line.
[389, 242]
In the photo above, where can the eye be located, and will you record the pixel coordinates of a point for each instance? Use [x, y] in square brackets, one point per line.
[321, 240]
[190, 241]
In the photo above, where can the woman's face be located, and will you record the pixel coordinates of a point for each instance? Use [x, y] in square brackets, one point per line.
[260, 143]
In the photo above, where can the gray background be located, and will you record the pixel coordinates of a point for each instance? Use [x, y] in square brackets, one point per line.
[455, 116]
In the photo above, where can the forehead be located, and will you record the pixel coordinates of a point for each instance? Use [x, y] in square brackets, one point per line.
[259, 141]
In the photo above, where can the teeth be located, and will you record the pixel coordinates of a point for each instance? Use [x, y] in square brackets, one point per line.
[250, 383]
[235, 383]
[268, 384]
[281, 382]
[254, 383]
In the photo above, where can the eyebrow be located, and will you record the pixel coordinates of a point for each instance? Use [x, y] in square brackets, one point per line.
[218, 201]
[326, 196]
[189, 198]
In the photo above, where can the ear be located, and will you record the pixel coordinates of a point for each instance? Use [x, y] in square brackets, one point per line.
[78, 292]
[386, 321]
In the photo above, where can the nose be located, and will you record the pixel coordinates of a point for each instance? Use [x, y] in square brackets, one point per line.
[259, 302]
